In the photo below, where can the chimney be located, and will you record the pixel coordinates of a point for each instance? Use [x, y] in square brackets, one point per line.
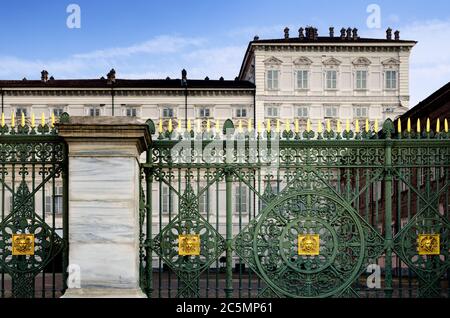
[331, 32]
[397, 35]
[355, 33]
[300, 33]
[389, 34]
[44, 76]
[286, 33]
[255, 38]
[221, 78]
[349, 33]
[343, 34]
[183, 77]
[315, 34]
[111, 76]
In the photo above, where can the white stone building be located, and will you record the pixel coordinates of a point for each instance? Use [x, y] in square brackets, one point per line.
[306, 76]
[319, 77]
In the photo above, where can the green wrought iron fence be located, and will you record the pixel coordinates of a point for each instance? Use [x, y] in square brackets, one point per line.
[284, 213]
[33, 204]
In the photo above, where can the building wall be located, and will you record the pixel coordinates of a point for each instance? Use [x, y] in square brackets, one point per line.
[382, 103]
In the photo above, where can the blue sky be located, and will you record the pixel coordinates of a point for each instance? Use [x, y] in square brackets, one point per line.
[155, 39]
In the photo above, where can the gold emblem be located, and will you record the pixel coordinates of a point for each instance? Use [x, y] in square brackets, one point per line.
[23, 244]
[189, 244]
[308, 244]
[428, 244]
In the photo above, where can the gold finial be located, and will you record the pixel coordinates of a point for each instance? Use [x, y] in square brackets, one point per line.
[249, 125]
[399, 126]
[446, 125]
[208, 126]
[3, 120]
[375, 126]
[240, 126]
[297, 127]
[32, 120]
[287, 125]
[347, 125]
[408, 128]
[367, 125]
[328, 125]
[22, 120]
[278, 126]
[418, 125]
[259, 127]
[53, 120]
[438, 125]
[357, 126]
[217, 126]
[169, 128]
[428, 125]
[308, 125]
[189, 125]
[338, 126]
[160, 126]
[268, 125]
[13, 120]
[319, 127]
[43, 119]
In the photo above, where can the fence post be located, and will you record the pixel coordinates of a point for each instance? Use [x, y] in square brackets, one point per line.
[149, 250]
[388, 130]
[104, 192]
[229, 234]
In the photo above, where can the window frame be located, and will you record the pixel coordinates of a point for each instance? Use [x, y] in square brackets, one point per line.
[390, 80]
[361, 80]
[327, 80]
[303, 79]
[271, 86]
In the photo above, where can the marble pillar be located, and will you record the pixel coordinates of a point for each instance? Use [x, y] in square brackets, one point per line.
[104, 204]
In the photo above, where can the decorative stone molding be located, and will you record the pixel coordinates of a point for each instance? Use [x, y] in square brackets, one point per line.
[303, 61]
[332, 62]
[273, 61]
[361, 61]
[390, 62]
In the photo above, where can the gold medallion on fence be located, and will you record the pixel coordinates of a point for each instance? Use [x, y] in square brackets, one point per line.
[23, 244]
[428, 244]
[189, 244]
[308, 244]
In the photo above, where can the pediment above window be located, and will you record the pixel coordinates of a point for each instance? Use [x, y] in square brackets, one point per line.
[332, 62]
[273, 61]
[390, 62]
[362, 61]
[303, 60]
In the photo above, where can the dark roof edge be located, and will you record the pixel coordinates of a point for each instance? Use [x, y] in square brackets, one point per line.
[440, 93]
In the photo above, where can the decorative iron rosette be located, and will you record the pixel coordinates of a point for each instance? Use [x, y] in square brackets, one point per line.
[269, 244]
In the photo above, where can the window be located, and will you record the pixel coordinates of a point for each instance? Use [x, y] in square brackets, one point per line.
[272, 79]
[20, 111]
[331, 111]
[272, 111]
[57, 198]
[302, 112]
[166, 200]
[331, 79]
[167, 112]
[203, 203]
[241, 199]
[391, 79]
[302, 79]
[360, 112]
[94, 111]
[361, 79]
[204, 112]
[131, 112]
[58, 111]
[241, 112]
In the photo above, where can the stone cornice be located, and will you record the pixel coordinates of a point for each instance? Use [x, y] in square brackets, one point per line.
[127, 92]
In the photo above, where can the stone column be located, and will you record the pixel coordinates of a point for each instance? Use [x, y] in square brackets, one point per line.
[104, 203]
